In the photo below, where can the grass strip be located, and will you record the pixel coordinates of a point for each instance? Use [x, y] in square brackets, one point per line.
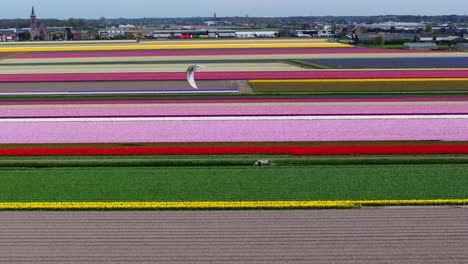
[360, 86]
[206, 184]
[224, 205]
[389, 46]
[126, 163]
[305, 65]
[214, 161]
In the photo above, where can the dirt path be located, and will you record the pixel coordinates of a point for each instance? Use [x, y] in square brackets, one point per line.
[121, 86]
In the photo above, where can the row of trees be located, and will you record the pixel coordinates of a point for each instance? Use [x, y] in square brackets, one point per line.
[78, 23]
[264, 21]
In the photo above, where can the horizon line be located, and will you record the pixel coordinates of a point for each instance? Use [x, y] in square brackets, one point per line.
[219, 17]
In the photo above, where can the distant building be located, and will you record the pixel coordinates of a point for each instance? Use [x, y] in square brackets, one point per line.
[462, 46]
[127, 26]
[397, 26]
[80, 35]
[420, 46]
[217, 23]
[112, 34]
[451, 29]
[7, 35]
[401, 37]
[194, 33]
[311, 33]
[258, 34]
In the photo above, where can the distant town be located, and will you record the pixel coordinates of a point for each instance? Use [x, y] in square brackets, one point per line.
[375, 30]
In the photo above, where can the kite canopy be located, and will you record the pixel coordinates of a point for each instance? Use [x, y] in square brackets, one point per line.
[191, 75]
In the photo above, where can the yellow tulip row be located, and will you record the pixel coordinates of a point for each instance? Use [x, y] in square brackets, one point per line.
[173, 47]
[220, 204]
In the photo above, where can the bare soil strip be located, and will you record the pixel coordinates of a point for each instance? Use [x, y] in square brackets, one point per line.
[121, 86]
[371, 235]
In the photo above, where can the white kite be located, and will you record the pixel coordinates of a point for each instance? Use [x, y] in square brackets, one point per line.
[191, 75]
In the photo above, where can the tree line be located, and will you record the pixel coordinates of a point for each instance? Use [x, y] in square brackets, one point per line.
[81, 23]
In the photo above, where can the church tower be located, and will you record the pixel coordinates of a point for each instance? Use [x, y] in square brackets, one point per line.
[33, 28]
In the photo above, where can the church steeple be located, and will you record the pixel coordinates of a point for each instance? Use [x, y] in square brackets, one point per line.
[33, 27]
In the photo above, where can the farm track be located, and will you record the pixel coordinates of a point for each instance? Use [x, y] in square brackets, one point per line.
[371, 235]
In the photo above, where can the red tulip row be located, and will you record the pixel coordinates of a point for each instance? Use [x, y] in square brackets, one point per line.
[383, 149]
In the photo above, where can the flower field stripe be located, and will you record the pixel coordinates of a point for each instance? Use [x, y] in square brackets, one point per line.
[211, 91]
[174, 66]
[378, 149]
[170, 42]
[170, 47]
[229, 118]
[231, 109]
[210, 52]
[222, 204]
[164, 42]
[360, 80]
[286, 130]
[236, 75]
[58, 103]
[174, 205]
[392, 63]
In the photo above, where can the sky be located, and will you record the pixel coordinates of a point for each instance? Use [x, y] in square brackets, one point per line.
[205, 8]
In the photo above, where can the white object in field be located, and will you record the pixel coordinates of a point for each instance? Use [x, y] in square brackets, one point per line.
[260, 163]
[191, 75]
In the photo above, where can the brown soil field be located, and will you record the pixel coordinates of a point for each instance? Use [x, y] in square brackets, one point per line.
[371, 235]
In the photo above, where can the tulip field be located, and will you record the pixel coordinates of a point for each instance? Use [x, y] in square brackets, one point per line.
[115, 125]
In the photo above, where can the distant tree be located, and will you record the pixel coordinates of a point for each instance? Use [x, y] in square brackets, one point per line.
[24, 36]
[78, 23]
[380, 40]
[69, 34]
[428, 28]
[103, 22]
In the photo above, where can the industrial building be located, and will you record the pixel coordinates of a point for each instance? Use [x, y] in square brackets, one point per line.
[193, 33]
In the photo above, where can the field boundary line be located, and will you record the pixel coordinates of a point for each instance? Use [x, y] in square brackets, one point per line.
[229, 118]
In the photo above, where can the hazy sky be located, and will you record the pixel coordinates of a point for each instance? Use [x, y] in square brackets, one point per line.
[194, 8]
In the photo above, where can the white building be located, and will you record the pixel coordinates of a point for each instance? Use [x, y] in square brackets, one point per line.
[397, 25]
[258, 34]
[111, 33]
[127, 26]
